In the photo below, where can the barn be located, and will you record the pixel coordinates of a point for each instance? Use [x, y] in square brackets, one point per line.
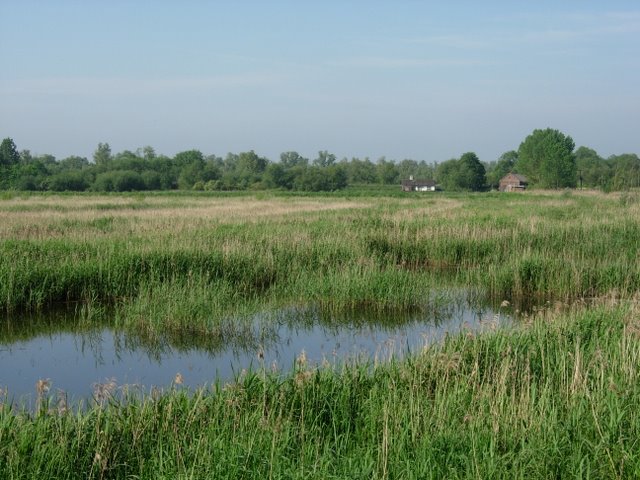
[513, 182]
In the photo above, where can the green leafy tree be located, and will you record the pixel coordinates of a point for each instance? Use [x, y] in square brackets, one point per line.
[625, 171]
[148, 153]
[447, 174]
[546, 158]
[102, 155]
[324, 159]
[152, 180]
[67, 181]
[293, 159]
[320, 179]
[249, 163]
[359, 171]
[128, 160]
[189, 166]
[25, 156]
[277, 176]
[249, 168]
[387, 172]
[592, 169]
[505, 164]
[408, 168]
[166, 170]
[471, 173]
[9, 155]
[119, 181]
[73, 163]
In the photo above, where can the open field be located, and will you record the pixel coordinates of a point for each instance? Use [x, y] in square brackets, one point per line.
[557, 396]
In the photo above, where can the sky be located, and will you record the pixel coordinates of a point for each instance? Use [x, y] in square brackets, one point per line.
[427, 80]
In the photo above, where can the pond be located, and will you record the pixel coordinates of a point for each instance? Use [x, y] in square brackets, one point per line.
[78, 363]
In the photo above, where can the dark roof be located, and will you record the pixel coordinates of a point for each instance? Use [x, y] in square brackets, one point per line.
[418, 183]
[520, 178]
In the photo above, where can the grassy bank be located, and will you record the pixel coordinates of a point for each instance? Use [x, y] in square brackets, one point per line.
[556, 398]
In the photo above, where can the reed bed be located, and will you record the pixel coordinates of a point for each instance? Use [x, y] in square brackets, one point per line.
[244, 251]
[557, 397]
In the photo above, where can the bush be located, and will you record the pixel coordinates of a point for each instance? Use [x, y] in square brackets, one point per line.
[67, 181]
[119, 181]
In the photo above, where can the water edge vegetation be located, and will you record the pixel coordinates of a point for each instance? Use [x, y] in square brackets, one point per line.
[556, 396]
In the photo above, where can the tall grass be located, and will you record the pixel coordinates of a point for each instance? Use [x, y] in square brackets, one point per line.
[385, 253]
[557, 398]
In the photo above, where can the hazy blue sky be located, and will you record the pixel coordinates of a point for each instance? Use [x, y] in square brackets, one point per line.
[405, 79]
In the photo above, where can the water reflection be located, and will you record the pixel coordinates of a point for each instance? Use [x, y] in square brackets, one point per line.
[77, 356]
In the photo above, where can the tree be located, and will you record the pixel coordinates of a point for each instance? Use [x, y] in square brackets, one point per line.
[102, 155]
[67, 180]
[505, 164]
[189, 166]
[387, 172]
[592, 169]
[8, 153]
[320, 179]
[277, 176]
[324, 159]
[293, 159]
[119, 181]
[408, 168]
[359, 171]
[148, 153]
[73, 163]
[471, 173]
[626, 171]
[447, 174]
[546, 158]
[249, 163]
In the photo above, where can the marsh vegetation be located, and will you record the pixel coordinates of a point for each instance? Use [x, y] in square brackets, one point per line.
[554, 395]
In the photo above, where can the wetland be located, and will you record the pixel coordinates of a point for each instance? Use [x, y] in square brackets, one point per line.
[463, 334]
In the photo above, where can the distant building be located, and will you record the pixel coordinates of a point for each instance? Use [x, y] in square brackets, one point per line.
[412, 185]
[513, 182]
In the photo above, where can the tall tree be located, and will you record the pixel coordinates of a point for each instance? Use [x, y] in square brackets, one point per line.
[249, 163]
[592, 169]
[447, 174]
[626, 171]
[102, 155]
[505, 164]
[546, 158]
[8, 153]
[325, 159]
[148, 153]
[189, 166]
[387, 172]
[471, 173]
[293, 159]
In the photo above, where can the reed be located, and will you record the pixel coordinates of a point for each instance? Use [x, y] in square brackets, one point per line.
[556, 397]
[335, 250]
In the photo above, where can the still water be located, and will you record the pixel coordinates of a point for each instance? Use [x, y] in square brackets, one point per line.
[75, 362]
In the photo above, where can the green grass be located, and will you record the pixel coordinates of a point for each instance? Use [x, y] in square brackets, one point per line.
[559, 398]
[555, 397]
[383, 253]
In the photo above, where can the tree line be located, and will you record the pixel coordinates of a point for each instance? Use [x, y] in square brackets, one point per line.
[546, 157]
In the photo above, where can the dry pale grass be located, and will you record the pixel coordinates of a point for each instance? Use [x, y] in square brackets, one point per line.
[79, 217]
[441, 208]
